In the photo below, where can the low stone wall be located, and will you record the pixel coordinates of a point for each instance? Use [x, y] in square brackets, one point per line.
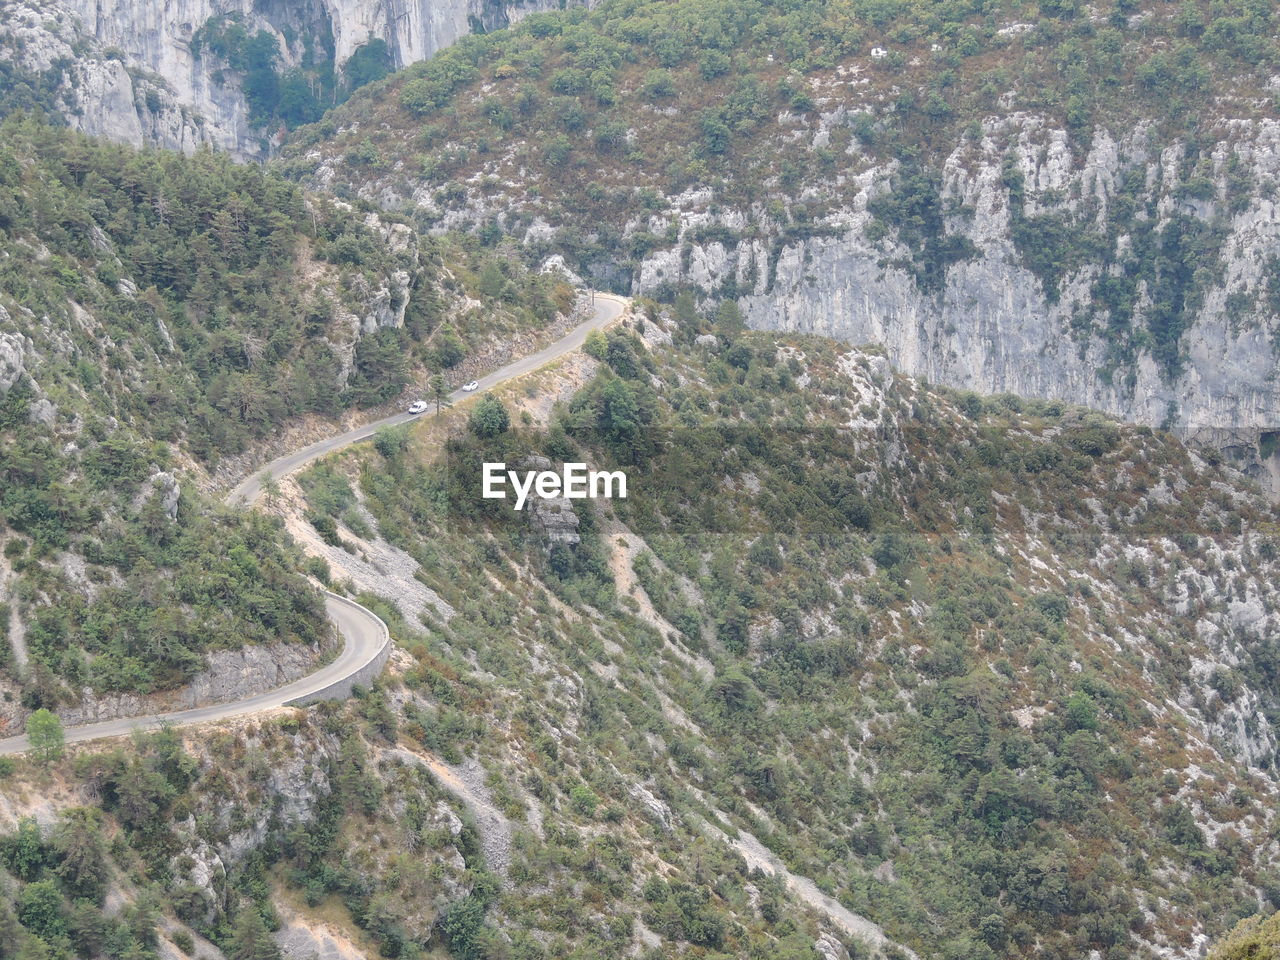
[341, 689]
[229, 675]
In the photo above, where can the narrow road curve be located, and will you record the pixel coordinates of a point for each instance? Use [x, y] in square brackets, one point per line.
[366, 644]
[605, 309]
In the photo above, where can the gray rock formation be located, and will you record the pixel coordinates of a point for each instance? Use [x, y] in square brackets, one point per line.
[128, 69]
[297, 941]
[127, 74]
[656, 334]
[165, 485]
[229, 675]
[553, 517]
[829, 948]
[993, 327]
[992, 323]
[12, 361]
[42, 411]
[233, 674]
[170, 492]
[18, 358]
[653, 808]
[204, 870]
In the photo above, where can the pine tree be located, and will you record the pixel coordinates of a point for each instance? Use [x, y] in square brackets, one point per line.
[489, 418]
[44, 733]
[440, 392]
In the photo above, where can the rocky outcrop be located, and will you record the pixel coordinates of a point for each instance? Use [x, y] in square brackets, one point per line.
[993, 326]
[415, 29]
[17, 358]
[295, 783]
[134, 71]
[166, 486]
[996, 326]
[12, 359]
[552, 517]
[205, 872]
[235, 674]
[369, 304]
[300, 940]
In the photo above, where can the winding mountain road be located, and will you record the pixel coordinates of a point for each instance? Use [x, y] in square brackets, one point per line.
[366, 644]
[605, 309]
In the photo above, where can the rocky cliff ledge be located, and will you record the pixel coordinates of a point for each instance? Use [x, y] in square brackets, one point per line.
[135, 71]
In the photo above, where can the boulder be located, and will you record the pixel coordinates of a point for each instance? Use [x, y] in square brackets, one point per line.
[12, 357]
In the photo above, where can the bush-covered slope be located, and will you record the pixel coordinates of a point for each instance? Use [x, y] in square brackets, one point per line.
[994, 674]
[611, 110]
[159, 314]
[224, 300]
[1059, 200]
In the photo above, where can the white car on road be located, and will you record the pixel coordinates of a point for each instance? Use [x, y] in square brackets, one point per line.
[473, 385]
[418, 406]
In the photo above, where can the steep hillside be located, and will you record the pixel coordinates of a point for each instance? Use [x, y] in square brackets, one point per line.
[994, 675]
[232, 74]
[1056, 200]
[163, 321]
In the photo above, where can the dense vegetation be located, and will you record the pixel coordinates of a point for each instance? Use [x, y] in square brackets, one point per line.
[191, 266]
[923, 646]
[28, 91]
[984, 669]
[221, 298]
[208, 581]
[125, 277]
[130, 836]
[1255, 938]
[631, 86]
[155, 310]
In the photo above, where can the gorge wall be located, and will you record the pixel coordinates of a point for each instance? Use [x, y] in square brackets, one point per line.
[1156, 299]
[1125, 269]
[136, 72]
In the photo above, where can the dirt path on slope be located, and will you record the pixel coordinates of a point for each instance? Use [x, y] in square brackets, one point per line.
[760, 857]
[466, 782]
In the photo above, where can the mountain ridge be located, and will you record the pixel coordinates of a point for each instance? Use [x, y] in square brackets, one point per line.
[141, 74]
[1101, 236]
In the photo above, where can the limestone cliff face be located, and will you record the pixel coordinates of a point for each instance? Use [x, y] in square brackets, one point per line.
[128, 69]
[415, 29]
[1124, 270]
[993, 326]
[129, 74]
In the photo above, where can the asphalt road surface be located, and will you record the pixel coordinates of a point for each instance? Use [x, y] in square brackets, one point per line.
[607, 308]
[363, 640]
[364, 635]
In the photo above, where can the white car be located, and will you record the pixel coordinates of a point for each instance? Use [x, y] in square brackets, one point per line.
[418, 406]
[473, 385]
